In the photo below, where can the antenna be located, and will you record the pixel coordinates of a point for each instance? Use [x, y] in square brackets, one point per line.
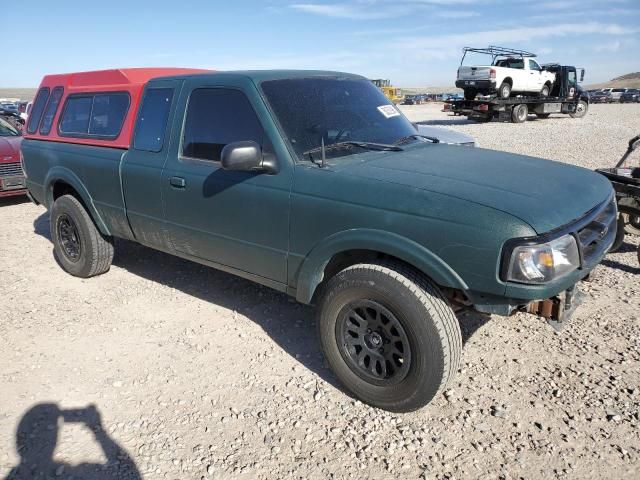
[323, 157]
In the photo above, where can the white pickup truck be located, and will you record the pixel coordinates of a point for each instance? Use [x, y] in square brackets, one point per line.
[511, 71]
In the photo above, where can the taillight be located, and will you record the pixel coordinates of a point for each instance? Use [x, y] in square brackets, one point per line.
[492, 73]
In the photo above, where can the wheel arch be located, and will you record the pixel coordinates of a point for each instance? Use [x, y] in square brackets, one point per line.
[62, 181]
[356, 246]
[508, 80]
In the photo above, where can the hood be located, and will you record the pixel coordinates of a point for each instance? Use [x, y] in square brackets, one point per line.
[10, 149]
[542, 193]
[446, 135]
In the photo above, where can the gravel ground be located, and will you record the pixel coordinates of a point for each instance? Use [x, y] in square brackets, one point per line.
[198, 374]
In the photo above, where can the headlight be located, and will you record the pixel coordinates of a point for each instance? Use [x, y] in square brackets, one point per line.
[544, 262]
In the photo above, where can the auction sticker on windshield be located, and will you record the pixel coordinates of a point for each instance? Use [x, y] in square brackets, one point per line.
[388, 111]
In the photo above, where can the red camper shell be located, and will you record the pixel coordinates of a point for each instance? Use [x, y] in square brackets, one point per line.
[92, 108]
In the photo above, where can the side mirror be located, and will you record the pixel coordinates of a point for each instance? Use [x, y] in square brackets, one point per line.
[241, 156]
[582, 74]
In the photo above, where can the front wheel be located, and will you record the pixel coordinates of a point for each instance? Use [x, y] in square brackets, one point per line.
[545, 91]
[581, 110]
[78, 245]
[389, 335]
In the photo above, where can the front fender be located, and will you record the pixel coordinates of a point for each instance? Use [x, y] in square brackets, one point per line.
[311, 272]
[57, 174]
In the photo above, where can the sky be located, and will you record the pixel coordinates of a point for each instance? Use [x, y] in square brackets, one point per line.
[412, 42]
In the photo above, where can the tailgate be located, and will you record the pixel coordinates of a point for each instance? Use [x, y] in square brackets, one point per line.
[474, 73]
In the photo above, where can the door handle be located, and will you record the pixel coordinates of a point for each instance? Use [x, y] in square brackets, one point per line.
[177, 182]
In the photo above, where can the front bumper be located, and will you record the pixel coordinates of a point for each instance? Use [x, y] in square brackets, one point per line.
[481, 85]
[11, 186]
[595, 233]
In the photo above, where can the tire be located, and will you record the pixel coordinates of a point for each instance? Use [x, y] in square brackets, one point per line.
[470, 93]
[628, 210]
[78, 245]
[619, 240]
[519, 113]
[581, 110]
[427, 334]
[542, 116]
[505, 90]
[545, 90]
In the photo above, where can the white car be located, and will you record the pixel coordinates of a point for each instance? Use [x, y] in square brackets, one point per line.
[511, 71]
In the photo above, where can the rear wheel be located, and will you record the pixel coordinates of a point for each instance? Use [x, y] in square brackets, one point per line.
[505, 90]
[581, 110]
[470, 93]
[78, 245]
[389, 335]
[519, 113]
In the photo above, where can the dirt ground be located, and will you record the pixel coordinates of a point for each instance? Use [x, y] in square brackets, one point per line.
[163, 369]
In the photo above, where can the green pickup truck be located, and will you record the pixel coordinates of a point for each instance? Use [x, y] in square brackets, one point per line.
[314, 184]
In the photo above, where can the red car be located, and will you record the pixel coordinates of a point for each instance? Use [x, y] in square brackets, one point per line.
[11, 174]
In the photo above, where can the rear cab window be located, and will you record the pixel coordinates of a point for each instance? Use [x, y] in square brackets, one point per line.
[37, 110]
[99, 115]
[51, 110]
[152, 119]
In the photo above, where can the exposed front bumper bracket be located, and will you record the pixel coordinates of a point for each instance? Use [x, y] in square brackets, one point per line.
[558, 310]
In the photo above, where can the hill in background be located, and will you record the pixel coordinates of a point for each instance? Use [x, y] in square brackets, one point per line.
[630, 80]
[21, 93]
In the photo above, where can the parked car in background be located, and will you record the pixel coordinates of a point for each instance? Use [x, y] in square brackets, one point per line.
[616, 93]
[602, 96]
[510, 71]
[412, 100]
[9, 107]
[11, 174]
[632, 95]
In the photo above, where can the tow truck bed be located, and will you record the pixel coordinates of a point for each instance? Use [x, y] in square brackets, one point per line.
[484, 109]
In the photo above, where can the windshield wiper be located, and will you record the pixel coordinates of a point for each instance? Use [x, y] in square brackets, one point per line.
[415, 136]
[352, 143]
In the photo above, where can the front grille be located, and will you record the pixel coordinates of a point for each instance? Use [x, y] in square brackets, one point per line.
[11, 170]
[598, 235]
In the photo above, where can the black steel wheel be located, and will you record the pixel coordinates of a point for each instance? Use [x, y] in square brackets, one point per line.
[78, 245]
[69, 237]
[373, 342]
[388, 334]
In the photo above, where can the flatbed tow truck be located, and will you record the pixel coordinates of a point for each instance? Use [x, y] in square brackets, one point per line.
[566, 97]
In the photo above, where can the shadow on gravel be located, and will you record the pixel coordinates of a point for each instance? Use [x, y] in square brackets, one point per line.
[448, 122]
[470, 323]
[290, 324]
[17, 200]
[620, 266]
[36, 440]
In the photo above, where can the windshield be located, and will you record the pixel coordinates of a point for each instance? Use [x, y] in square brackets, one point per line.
[6, 130]
[313, 111]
